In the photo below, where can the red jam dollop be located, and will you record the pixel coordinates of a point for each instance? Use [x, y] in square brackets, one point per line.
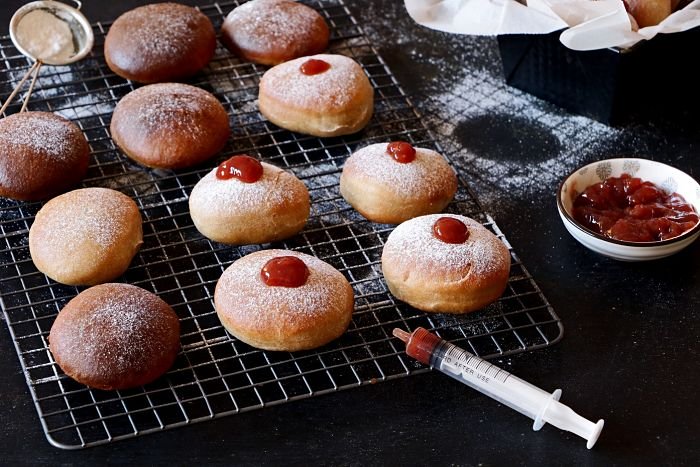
[401, 151]
[450, 230]
[243, 167]
[314, 66]
[285, 271]
[629, 209]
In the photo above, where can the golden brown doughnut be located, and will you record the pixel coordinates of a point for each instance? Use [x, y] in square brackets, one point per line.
[41, 155]
[230, 211]
[387, 191]
[649, 12]
[170, 125]
[115, 336]
[432, 275]
[160, 42]
[338, 101]
[86, 236]
[283, 318]
[274, 31]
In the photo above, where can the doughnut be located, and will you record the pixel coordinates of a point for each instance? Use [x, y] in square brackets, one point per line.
[649, 12]
[41, 155]
[86, 237]
[393, 182]
[445, 263]
[170, 125]
[283, 300]
[245, 201]
[270, 32]
[160, 42]
[115, 336]
[321, 95]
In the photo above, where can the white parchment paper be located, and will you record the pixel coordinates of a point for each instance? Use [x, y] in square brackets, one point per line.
[586, 24]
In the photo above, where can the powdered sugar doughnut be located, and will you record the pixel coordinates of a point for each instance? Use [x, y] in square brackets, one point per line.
[282, 317]
[433, 275]
[160, 42]
[337, 101]
[86, 236]
[385, 190]
[115, 336]
[274, 207]
[274, 31]
[41, 154]
[170, 125]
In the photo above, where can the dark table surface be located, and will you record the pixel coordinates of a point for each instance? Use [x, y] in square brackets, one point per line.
[631, 331]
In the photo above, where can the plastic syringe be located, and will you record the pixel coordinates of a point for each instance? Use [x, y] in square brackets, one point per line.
[498, 384]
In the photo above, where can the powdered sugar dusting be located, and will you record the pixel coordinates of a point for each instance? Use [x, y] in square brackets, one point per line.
[259, 304]
[84, 217]
[285, 82]
[113, 332]
[426, 174]
[414, 240]
[228, 197]
[167, 107]
[163, 31]
[40, 132]
[272, 25]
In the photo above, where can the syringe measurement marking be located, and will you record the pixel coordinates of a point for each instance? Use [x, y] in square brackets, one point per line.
[465, 362]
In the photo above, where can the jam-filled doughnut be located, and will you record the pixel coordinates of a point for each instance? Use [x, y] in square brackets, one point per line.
[283, 300]
[170, 125]
[394, 182]
[321, 95]
[86, 236]
[270, 32]
[445, 263]
[115, 336]
[246, 201]
[41, 155]
[160, 42]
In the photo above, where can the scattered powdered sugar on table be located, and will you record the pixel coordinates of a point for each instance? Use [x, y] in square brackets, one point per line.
[414, 241]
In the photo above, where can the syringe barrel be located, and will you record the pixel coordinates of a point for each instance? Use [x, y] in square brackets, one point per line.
[489, 379]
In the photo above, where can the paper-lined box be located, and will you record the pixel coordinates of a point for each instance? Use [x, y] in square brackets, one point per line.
[651, 80]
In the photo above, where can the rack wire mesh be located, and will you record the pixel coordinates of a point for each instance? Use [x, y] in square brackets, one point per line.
[215, 374]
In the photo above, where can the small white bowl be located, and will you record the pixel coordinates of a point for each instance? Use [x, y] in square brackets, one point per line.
[664, 176]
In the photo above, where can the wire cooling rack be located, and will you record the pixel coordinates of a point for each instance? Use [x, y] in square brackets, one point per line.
[215, 374]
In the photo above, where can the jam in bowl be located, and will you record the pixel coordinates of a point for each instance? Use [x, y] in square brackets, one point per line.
[630, 209]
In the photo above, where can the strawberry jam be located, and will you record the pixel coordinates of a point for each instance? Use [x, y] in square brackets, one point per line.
[401, 151]
[450, 230]
[243, 167]
[629, 209]
[314, 66]
[285, 271]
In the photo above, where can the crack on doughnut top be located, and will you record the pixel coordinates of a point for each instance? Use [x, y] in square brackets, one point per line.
[425, 174]
[413, 246]
[331, 89]
[114, 333]
[266, 26]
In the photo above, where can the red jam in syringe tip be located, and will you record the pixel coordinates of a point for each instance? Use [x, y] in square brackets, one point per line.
[420, 344]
